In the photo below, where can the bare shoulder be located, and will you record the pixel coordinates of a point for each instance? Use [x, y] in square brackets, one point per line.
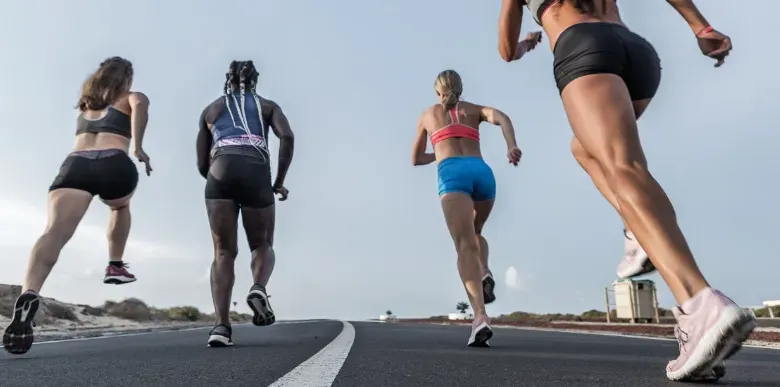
[136, 98]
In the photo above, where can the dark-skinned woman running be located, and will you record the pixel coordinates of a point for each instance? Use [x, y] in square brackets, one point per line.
[233, 156]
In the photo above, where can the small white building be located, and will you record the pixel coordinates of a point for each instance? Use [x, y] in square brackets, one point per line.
[635, 299]
[461, 316]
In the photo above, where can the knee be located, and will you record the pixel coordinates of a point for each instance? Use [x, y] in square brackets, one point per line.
[467, 247]
[225, 253]
[57, 236]
[259, 245]
[629, 181]
[578, 151]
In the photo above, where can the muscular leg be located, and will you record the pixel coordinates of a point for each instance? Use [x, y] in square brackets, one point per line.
[482, 211]
[601, 114]
[459, 215]
[66, 209]
[593, 168]
[259, 227]
[223, 218]
[118, 227]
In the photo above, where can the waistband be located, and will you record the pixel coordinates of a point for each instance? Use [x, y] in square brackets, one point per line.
[453, 159]
[572, 29]
[97, 153]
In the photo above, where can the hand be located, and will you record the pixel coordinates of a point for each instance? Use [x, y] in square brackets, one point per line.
[281, 191]
[528, 44]
[714, 45]
[514, 154]
[143, 158]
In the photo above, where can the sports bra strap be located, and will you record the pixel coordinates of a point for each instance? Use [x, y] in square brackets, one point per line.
[454, 113]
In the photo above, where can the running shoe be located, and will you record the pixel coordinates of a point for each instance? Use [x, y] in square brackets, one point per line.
[18, 337]
[258, 302]
[220, 336]
[635, 261]
[710, 329]
[488, 288]
[480, 335]
[118, 275]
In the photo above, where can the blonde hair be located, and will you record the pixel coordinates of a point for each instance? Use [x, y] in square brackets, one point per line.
[449, 85]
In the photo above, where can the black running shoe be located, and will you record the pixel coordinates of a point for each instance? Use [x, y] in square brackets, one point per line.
[18, 337]
[488, 288]
[258, 302]
[220, 336]
[480, 336]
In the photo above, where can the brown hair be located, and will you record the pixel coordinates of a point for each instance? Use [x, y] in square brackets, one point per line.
[449, 86]
[106, 84]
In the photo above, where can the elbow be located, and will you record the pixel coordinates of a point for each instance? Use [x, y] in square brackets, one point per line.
[506, 52]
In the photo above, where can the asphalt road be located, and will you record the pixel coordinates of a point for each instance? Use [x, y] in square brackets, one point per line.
[364, 354]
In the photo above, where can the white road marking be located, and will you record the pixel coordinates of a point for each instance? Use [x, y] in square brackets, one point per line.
[610, 334]
[321, 369]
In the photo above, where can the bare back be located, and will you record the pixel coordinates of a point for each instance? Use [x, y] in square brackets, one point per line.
[98, 141]
[435, 118]
[560, 16]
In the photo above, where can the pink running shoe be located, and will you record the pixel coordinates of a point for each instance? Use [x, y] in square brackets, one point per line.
[710, 329]
[118, 275]
[635, 262]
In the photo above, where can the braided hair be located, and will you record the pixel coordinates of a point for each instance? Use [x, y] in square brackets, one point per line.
[242, 76]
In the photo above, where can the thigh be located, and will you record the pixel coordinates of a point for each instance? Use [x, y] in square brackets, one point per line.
[259, 225]
[601, 114]
[223, 219]
[482, 211]
[458, 211]
[66, 208]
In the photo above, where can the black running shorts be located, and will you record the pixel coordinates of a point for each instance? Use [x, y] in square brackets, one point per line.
[241, 178]
[108, 173]
[607, 48]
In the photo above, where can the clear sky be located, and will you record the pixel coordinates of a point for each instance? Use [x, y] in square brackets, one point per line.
[363, 230]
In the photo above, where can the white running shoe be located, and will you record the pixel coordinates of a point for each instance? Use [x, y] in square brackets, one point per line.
[635, 261]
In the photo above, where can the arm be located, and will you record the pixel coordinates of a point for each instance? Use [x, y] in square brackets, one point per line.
[419, 157]
[497, 117]
[204, 143]
[509, 24]
[282, 130]
[687, 9]
[139, 117]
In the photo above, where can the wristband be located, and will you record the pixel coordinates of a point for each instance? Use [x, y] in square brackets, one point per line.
[705, 30]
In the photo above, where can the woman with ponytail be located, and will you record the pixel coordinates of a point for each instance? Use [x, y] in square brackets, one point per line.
[233, 157]
[467, 186]
[607, 76]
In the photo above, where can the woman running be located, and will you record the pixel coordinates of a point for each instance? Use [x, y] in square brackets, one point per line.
[467, 186]
[607, 76]
[110, 116]
[233, 156]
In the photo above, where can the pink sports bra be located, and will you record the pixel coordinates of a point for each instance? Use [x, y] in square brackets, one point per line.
[454, 130]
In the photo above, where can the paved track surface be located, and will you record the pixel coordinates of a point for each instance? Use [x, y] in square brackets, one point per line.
[364, 354]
